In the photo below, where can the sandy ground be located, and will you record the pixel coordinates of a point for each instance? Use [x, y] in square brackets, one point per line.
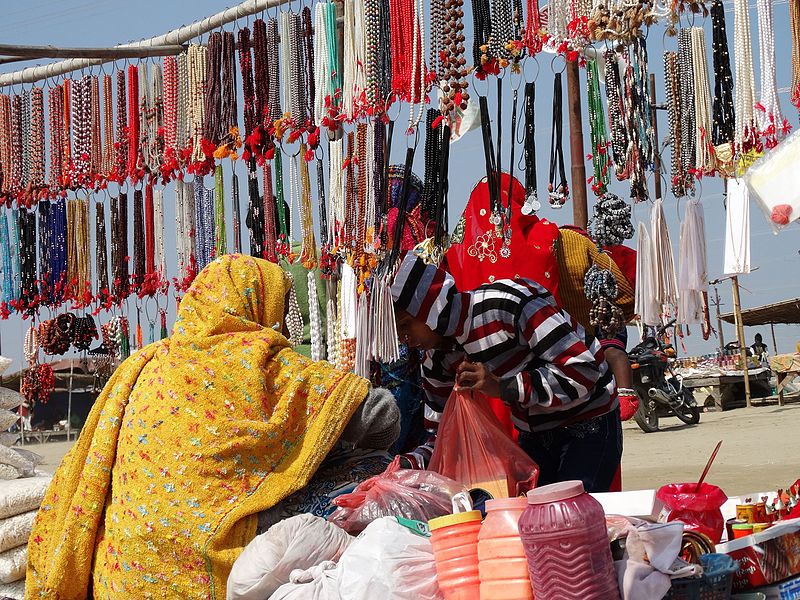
[758, 451]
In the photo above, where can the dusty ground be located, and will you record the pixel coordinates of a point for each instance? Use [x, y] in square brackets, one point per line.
[759, 450]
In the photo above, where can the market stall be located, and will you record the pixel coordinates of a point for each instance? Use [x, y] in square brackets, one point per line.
[294, 133]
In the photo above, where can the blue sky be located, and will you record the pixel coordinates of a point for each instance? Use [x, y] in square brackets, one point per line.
[109, 22]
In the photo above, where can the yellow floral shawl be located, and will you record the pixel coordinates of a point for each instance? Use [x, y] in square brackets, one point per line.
[191, 438]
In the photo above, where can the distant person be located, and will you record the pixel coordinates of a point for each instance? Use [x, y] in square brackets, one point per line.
[759, 348]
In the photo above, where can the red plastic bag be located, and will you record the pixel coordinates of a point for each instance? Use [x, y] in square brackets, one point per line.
[416, 495]
[698, 511]
[473, 448]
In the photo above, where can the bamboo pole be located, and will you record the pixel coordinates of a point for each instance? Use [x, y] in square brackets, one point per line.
[178, 36]
[580, 206]
[31, 52]
[737, 311]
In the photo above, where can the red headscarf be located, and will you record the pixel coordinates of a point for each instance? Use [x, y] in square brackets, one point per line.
[474, 256]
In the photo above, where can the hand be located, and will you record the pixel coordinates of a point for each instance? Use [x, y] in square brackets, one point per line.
[476, 377]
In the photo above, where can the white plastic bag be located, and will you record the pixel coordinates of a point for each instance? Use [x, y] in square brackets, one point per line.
[316, 583]
[774, 182]
[266, 563]
[388, 561]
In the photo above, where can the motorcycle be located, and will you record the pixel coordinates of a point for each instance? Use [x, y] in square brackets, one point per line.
[661, 392]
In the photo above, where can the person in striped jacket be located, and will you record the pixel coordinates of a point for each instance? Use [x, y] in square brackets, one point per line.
[510, 339]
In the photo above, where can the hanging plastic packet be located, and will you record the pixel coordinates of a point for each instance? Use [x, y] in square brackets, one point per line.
[774, 182]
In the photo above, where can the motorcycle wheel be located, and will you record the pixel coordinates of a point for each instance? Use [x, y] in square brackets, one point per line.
[688, 413]
[645, 419]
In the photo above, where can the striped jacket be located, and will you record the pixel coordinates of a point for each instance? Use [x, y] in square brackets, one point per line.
[552, 372]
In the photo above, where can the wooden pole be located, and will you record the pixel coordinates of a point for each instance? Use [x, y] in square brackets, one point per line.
[580, 206]
[737, 311]
[719, 321]
[774, 342]
[654, 120]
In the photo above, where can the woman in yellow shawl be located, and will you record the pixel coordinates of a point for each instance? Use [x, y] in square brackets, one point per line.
[192, 437]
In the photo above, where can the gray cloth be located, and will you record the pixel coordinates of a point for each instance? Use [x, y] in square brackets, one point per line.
[376, 423]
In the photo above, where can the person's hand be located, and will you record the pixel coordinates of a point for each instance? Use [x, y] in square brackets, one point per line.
[476, 377]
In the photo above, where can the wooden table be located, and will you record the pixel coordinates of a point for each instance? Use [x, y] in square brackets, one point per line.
[723, 386]
[786, 368]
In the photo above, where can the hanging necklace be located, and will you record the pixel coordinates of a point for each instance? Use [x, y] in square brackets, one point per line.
[139, 253]
[270, 222]
[532, 204]
[744, 91]
[308, 252]
[196, 67]
[101, 255]
[37, 150]
[558, 194]
[724, 120]
[453, 63]
[674, 118]
[616, 118]
[704, 161]
[770, 118]
[794, 19]
[170, 115]
[119, 247]
[108, 128]
[5, 142]
[121, 145]
[220, 237]
[597, 127]
[688, 115]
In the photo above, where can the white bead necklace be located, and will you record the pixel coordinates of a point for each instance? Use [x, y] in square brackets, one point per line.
[744, 90]
[769, 116]
[702, 102]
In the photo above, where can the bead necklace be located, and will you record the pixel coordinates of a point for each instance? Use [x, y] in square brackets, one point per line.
[261, 72]
[16, 143]
[212, 125]
[30, 347]
[704, 160]
[230, 111]
[27, 252]
[154, 148]
[119, 247]
[454, 64]
[317, 345]
[255, 212]
[139, 243]
[336, 195]
[436, 37]
[724, 119]
[185, 234]
[361, 193]
[149, 240]
[384, 51]
[101, 254]
[433, 152]
[674, 118]
[55, 105]
[158, 228]
[96, 128]
[354, 83]
[688, 115]
[108, 127]
[744, 91]
[79, 266]
[14, 246]
[322, 63]
[482, 31]
[502, 32]
[297, 62]
[7, 296]
[37, 139]
[638, 105]
[220, 237]
[558, 194]
[248, 85]
[196, 63]
[597, 127]
[237, 226]
[134, 140]
[350, 219]
[601, 288]
[283, 230]
[611, 224]
[58, 257]
[372, 25]
[770, 119]
[634, 157]
[45, 252]
[204, 220]
[183, 127]
[616, 118]
[379, 188]
[307, 42]
[121, 145]
[794, 19]
[534, 31]
[270, 221]
[294, 319]
[82, 119]
[5, 141]
[170, 105]
[308, 253]
[26, 139]
[273, 108]
[66, 136]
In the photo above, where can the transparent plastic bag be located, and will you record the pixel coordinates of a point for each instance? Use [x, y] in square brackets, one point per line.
[416, 495]
[473, 448]
[774, 182]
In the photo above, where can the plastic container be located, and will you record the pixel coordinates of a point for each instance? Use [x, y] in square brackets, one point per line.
[502, 566]
[715, 584]
[455, 549]
[564, 534]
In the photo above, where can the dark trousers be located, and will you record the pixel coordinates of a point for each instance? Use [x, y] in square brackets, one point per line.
[589, 451]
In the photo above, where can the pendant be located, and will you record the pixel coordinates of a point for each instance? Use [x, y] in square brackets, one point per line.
[531, 206]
